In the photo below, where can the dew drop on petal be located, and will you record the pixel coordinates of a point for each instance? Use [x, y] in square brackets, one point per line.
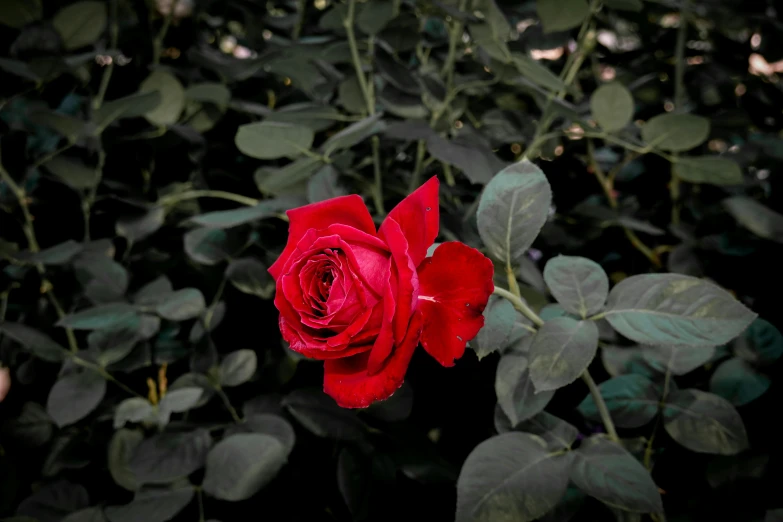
[458, 337]
[467, 304]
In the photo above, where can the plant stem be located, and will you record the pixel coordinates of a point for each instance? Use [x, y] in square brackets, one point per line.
[157, 43]
[195, 194]
[603, 411]
[229, 407]
[301, 7]
[377, 192]
[520, 305]
[648, 451]
[455, 35]
[113, 37]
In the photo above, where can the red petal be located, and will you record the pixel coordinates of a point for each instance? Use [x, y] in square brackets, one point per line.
[407, 281]
[419, 217]
[454, 287]
[347, 381]
[346, 210]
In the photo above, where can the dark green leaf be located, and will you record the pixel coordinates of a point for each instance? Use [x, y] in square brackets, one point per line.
[319, 413]
[468, 153]
[396, 408]
[285, 179]
[632, 401]
[316, 116]
[675, 309]
[511, 476]
[538, 73]
[561, 15]
[134, 409]
[237, 367]
[562, 350]
[53, 501]
[74, 396]
[98, 317]
[324, 185]
[759, 219]
[712, 170]
[208, 246]
[374, 16]
[579, 285]
[267, 424]
[512, 210]
[121, 447]
[80, 24]
[116, 342]
[32, 428]
[209, 92]
[195, 380]
[500, 328]
[74, 173]
[154, 292]
[557, 433]
[19, 13]
[172, 97]
[612, 105]
[353, 134]
[704, 422]
[241, 216]
[606, 471]
[248, 275]
[349, 93]
[38, 343]
[133, 106]
[240, 465]
[166, 457]
[736, 381]
[154, 505]
[104, 279]
[138, 227]
[180, 400]
[676, 132]
[69, 127]
[181, 305]
[272, 140]
[515, 392]
[762, 343]
[59, 254]
[92, 514]
[19, 68]
[678, 359]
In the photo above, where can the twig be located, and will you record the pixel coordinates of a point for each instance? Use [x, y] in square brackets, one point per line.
[603, 411]
[195, 194]
[157, 43]
[113, 37]
[229, 407]
[520, 305]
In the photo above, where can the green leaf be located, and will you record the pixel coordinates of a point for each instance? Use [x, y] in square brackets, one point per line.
[104, 279]
[349, 94]
[272, 140]
[761, 344]
[19, 13]
[154, 292]
[80, 24]
[155, 505]
[353, 134]
[132, 106]
[208, 246]
[243, 215]
[74, 396]
[704, 423]
[606, 471]
[318, 412]
[237, 367]
[209, 92]
[736, 381]
[562, 350]
[561, 15]
[676, 132]
[38, 343]
[138, 227]
[19, 68]
[91, 514]
[172, 98]
[324, 184]
[32, 428]
[512, 476]
[673, 309]
[374, 16]
[501, 327]
[557, 433]
[512, 210]
[579, 285]
[316, 116]
[711, 170]
[515, 392]
[74, 173]
[759, 219]
[195, 380]
[98, 317]
[632, 401]
[282, 180]
[169, 456]
[612, 106]
[267, 424]
[248, 275]
[182, 305]
[121, 447]
[538, 73]
[134, 409]
[69, 127]
[180, 400]
[469, 153]
[678, 359]
[240, 465]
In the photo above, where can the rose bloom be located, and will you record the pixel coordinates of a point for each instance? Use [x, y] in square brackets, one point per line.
[362, 300]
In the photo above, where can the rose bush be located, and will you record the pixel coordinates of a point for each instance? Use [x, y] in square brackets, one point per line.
[362, 300]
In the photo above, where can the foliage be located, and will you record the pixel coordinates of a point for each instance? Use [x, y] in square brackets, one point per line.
[615, 159]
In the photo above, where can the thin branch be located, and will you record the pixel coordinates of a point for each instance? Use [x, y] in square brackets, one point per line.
[603, 411]
[520, 305]
[195, 194]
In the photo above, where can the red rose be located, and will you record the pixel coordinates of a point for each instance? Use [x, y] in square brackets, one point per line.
[362, 300]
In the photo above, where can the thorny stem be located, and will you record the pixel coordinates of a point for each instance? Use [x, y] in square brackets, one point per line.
[603, 411]
[606, 183]
[520, 305]
[29, 232]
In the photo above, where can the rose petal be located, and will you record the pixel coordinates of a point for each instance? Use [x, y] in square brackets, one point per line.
[455, 285]
[419, 217]
[345, 210]
[347, 381]
[406, 277]
[385, 341]
[303, 344]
